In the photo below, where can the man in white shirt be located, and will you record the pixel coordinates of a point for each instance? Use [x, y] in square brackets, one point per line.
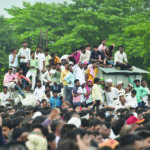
[39, 92]
[41, 61]
[5, 97]
[120, 59]
[111, 95]
[13, 60]
[122, 103]
[24, 55]
[79, 72]
[85, 54]
[131, 100]
[103, 45]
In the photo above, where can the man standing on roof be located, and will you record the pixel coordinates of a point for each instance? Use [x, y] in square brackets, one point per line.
[121, 62]
[140, 91]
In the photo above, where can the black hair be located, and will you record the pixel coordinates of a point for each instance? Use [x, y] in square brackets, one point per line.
[96, 80]
[74, 49]
[46, 50]
[17, 132]
[121, 46]
[82, 48]
[50, 137]
[66, 128]
[76, 80]
[84, 122]
[67, 144]
[5, 87]
[133, 92]
[87, 45]
[24, 42]
[55, 91]
[43, 129]
[38, 81]
[101, 114]
[43, 100]
[128, 140]
[13, 49]
[38, 120]
[6, 123]
[32, 52]
[54, 125]
[144, 133]
[117, 125]
[111, 48]
[137, 80]
[52, 54]
[95, 46]
[94, 122]
[10, 68]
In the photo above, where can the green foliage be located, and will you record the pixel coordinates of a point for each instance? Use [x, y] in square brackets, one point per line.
[78, 23]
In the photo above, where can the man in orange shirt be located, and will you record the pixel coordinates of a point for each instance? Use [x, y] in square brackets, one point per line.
[55, 58]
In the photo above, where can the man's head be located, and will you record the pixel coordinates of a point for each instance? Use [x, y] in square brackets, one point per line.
[121, 49]
[58, 66]
[39, 129]
[104, 41]
[143, 83]
[81, 65]
[38, 83]
[95, 48]
[137, 82]
[32, 54]
[53, 55]
[131, 142]
[122, 100]
[56, 126]
[6, 127]
[74, 50]
[107, 88]
[14, 51]
[38, 49]
[5, 89]
[70, 68]
[82, 48]
[95, 125]
[24, 44]
[127, 90]
[46, 50]
[51, 138]
[88, 47]
[55, 93]
[66, 65]
[145, 134]
[133, 93]
[10, 70]
[20, 70]
[90, 83]
[44, 102]
[77, 83]
[96, 81]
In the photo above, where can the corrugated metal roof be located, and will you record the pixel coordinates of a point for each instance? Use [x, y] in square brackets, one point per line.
[113, 70]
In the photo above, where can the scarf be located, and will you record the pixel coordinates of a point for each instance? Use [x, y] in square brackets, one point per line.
[88, 89]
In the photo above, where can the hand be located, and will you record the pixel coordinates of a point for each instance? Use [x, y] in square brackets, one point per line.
[24, 136]
[30, 82]
[28, 65]
[9, 99]
[54, 114]
[23, 57]
[49, 82]
[69, 82]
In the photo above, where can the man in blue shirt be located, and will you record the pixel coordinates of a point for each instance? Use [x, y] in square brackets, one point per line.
[55, 100]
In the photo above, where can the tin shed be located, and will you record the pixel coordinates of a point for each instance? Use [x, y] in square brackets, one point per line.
[119, 75]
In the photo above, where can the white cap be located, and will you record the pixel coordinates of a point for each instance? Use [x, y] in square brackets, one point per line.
[120, 82]
[75, 121]
[37, 114]
[109, 80]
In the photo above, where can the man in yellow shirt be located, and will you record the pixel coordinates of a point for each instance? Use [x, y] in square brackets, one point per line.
[55, 58]
[92, 71]
[65, 84]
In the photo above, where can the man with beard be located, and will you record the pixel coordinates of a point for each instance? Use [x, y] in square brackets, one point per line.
[39, 92]
[85, 54]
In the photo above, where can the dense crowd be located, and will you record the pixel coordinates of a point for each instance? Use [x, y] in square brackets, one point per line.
[74, 109]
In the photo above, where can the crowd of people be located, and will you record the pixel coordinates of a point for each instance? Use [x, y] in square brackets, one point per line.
[75, 109]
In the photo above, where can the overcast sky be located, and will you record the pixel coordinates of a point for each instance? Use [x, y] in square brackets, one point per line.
[9, 3]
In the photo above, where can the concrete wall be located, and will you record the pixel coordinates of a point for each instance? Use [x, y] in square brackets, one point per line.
[116, 77]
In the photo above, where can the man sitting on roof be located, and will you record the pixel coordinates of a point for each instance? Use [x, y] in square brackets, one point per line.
[121, 62]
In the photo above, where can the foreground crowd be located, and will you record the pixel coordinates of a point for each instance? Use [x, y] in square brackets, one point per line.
[74, 108]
